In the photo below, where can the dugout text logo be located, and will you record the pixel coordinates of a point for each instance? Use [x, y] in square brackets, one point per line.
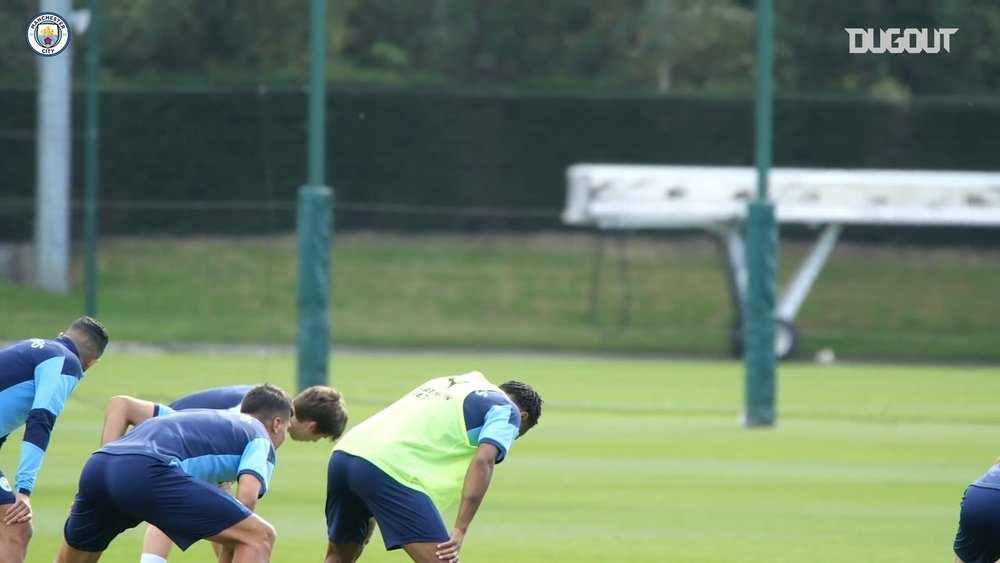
[894, 40]
[48, 34]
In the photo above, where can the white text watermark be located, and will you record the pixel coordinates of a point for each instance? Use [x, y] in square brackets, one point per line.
[896, 40]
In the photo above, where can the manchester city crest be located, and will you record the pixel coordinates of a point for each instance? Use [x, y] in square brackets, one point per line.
[48, 34]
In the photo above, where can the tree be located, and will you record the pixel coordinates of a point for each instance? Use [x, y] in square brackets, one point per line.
[629, 46]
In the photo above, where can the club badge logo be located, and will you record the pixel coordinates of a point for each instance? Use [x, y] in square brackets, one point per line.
[48, 34]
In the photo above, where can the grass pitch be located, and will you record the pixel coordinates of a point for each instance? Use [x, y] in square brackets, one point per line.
[525, 291]
[632, 461]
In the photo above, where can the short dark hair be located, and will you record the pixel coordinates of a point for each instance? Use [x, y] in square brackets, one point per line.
[90, 335]
[266, 401]
[527, 399]
[324, 406]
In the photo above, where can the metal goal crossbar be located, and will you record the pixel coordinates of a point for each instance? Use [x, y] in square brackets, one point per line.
[714, 198]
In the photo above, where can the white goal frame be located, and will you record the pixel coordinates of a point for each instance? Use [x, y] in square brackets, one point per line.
[714, 198]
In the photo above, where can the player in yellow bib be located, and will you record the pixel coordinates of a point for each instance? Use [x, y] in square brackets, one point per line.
[403, 466]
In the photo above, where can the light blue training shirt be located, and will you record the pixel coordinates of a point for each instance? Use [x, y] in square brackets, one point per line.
[215, 446]
[36, 378]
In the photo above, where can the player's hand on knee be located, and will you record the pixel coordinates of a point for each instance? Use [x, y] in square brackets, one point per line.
[448, 551]
[19, 512]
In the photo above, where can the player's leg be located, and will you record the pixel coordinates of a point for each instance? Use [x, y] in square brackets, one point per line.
[343, 553]
[249, 541]
[406, 517]
[94, 519]
[188, 510]
[409, 520]
[349, 521]
[423, 552]
[13, 537]
[155, 544]
[69, 554]
[217, 548]
[349, 551]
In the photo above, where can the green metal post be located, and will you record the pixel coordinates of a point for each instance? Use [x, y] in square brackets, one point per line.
[317, 92]
[91, 162]
[762, 246]
[315, 218]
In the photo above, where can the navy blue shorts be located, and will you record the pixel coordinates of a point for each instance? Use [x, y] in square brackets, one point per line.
[117, 492]
[978, 537]
[6, 491]
[356, 490]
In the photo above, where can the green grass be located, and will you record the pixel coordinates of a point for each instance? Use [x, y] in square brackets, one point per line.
[525, 291]
[637, 460]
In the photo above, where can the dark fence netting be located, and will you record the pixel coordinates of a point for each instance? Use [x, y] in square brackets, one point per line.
[231, 161]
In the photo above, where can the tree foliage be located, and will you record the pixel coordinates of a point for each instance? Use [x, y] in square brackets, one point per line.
[638, 46]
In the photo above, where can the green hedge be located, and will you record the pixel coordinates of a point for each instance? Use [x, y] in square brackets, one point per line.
[434, 149]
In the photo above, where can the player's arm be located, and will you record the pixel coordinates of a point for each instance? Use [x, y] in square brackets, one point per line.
[124, 411]
[248, 490]
[52, 388]
[493, 421]
[254, 471]
[477, 481]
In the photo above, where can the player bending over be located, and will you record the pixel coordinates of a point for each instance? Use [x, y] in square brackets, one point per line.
[166, 472]
[36, 378]
[407, 463]
[320, 412]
